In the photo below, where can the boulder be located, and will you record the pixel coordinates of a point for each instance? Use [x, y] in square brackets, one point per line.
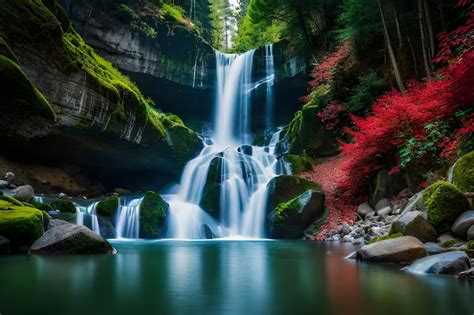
[445, 202]
[290, 219]
[24, 193]
[70, 239]
[445, 237]
[364, 209]
[64, 204]
[470, 233]
[4, 246]
[153, 212]
[107, 228]
[55, 223]
[3, 184]
[9, 177]
[207, 232]
[450, 263]
[463, 173]
[210, 201]
[245, 149]
[435, 248]
[400, 250]
[108, 206]
[386, 185]
[467, 275]
[20, 225]
[286, 187]
[384, 211]
[463, 223]
[381, 204]
[414, 223]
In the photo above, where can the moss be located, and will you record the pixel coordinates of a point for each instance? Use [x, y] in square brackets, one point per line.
[41, 206]
[285, 187]
[445, 202]
[463, 175]
[300, 163]
[285, 210]
[22, 226]
[64, 204]
[153, 212]
[19, 94]
[386, 237]
[450, 243]
[9, 200]
[108, 206]
[470, 244]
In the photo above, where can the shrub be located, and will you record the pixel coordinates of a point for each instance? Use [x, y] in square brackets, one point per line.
[370, 87]
[463, 175]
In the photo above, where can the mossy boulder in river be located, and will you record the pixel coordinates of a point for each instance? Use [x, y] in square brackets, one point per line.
[64, 204]
[444, 202]
[286, 187]
[108, 206]
[212, 189]
[463, 174]
[21, 225]
[153, 212]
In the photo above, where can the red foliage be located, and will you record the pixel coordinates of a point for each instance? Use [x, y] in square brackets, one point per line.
[330, 115]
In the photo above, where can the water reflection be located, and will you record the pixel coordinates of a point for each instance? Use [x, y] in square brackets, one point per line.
[222, 277]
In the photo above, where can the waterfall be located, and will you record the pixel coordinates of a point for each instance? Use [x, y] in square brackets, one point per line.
[270, 73]
[245, 170]
[128, 219]
[83, 212]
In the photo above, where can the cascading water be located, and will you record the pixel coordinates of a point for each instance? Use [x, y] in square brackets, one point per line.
[128, 219]
[89, 211]
[245, 170]
[270, 71]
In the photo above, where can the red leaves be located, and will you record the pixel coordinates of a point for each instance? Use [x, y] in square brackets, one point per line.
[330, 115]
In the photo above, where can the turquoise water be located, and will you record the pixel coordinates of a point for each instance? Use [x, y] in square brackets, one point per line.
[222, 277]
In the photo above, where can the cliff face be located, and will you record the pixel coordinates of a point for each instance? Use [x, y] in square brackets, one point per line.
[99, 121]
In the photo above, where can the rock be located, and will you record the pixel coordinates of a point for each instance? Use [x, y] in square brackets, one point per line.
[55, 223]
[463, 223]
[346, 239]
[21, 225]
[107, 229]
[470, 233]
[445, 237]
[370, 216]
[62, 195]
[345, 229]
[382, 203]
[445, 202]
[450, 263]
[384, 211]
[24, 193]
[245, 149]
[467, 275]
[352, 255]
[364, 209]
[463, 173]
[386, 185]
[400, 250]
[122, 191]
[290, 219]
[435, 248]
[9, 177]
[4, 246]
[64, 204]
[3, 184]
[358, 241]
[54, 212]
[207, 231]
[153, 213]
[414, 223]
[108, 206]
[70, 239]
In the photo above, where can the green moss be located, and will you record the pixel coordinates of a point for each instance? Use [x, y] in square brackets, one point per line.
[63, 204]
[19, 94]
[153, 212]
[41, 206]
[463, 175]
[445, 202]
[450, 243]
[285, 210]
[386, 237]
[22, 226]
[300, 163]
[470, 244]
[6, 200]
[108, 206]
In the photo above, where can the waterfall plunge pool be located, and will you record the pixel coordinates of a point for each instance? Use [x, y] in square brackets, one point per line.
[222, 277]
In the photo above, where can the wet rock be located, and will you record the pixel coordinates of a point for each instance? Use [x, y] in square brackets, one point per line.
[382, 203]
[24, 193]
[445, 237]
[4, 246]
[70, 239]
[345, 229]
[470, 233]
[245, 149]
[9, 177]
[364, 209]
[450, 263]
[463, 223]
[400, 250]
[107, 229]
[414, 223]
[55, 223]
[108, 206]
[370, 215]
[153, 213]
[3, 184]
[384, 211]
[64, 204]
[122, 191]
[386, 185]
[467, 275]
[435, 248]
[207, 231]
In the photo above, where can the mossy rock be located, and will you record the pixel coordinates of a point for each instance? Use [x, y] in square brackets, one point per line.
[210, 201]
[6, 200]
[19, 94]
[6, 51]
[153, 212]
[306, 135]
[299, 163]
[22, 226]
[470, 244]
[286, 187]
[41, 206]
[290, 219]
[463, 175]
[108, 206]
[444, 202]
[386, 237]
[64, 204]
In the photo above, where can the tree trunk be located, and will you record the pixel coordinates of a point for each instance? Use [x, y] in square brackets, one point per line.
[305, 31]
[415, 65]
[399, 32]
[423, 41]
[429, 27]
[391, 54]
[441, 14]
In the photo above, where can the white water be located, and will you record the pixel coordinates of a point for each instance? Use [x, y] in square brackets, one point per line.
[82, 211]
[270, 72]
[128, 219]
[244, 177]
